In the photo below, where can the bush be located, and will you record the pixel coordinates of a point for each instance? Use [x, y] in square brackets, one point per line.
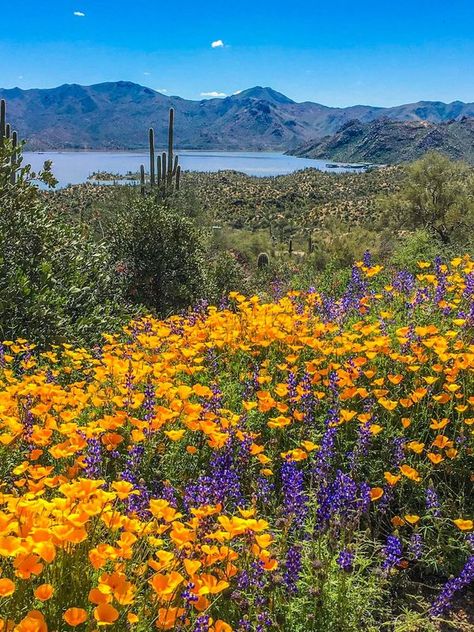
[162, 253]
[437, 196]
[54, 283]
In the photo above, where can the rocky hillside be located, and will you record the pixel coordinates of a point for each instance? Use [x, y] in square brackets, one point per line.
[385, 141]
[117, 115]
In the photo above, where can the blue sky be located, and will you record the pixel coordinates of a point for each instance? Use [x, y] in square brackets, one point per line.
[334, 52]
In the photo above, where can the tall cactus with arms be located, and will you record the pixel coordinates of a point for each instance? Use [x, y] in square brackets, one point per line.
[165, 178]
[6, 134]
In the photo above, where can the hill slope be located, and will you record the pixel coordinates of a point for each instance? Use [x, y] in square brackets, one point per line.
[388, 142]
[117, 115]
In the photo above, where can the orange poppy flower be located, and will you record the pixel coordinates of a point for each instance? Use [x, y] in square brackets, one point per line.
[376, 493]
[44, 592]
[7, 587]
[33, 622]
[75, 616]
[105, 614]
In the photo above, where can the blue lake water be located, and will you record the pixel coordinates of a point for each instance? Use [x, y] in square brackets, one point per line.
[75, 167]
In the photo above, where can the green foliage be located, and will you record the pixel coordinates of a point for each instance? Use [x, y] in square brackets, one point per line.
[162, 253]
[54, 283]
[227, 274]
[414, 247]
[437, 196]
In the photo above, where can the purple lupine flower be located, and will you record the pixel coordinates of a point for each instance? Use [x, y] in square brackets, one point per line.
[341, 502]
[469, 287]
[345, 560]
[93, 459]
[465, 577]
[367, 259]
[404, 282]
[292, 569]
[292, 383]
[308, 401]
[223, 486]
[294, 498]
[202, 623]
[50, 379]
[432, 502]
[264, 489]
[398, 451]
[361, 448]
[392, 553]
[149, 401]
[415, 547]
[323, 457]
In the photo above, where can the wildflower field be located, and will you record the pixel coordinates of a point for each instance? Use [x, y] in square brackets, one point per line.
[301, 464]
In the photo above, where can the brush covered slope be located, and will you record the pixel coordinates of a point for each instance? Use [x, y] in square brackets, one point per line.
[386, 141]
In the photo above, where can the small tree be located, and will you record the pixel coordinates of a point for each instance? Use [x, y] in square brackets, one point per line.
[162, 253]
[438, 196]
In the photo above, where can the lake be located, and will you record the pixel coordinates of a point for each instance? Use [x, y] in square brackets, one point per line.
[74, 167]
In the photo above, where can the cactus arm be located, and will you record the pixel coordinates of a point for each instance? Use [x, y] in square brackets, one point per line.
[178, 176]
[158, 171]
[142, 179]
[151, 140]
[3, 119]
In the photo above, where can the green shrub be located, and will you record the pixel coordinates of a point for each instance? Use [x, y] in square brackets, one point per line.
[162, 253]
[54, 283]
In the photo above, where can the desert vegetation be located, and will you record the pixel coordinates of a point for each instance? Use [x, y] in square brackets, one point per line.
[237, 404]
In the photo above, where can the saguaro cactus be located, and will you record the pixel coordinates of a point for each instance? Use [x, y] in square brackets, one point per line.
[3, 119]
[165, 170]
[6, 134]
[262, 260]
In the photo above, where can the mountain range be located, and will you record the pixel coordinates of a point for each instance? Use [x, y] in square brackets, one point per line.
[117, 115]
[386, 141]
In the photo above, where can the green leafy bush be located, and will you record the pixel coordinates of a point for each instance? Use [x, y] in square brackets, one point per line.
[162, 254]
[54, 283]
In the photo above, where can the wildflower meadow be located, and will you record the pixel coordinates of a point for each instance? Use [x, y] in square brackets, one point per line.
[298, 464]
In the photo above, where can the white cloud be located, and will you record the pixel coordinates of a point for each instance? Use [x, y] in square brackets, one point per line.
[161, 90]
[237, 92]
[79, 14]
[147, 74]
[217, 44]
[213, 94]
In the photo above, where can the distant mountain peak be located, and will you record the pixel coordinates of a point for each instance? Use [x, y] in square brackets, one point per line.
[117, 115]
[264, 94]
